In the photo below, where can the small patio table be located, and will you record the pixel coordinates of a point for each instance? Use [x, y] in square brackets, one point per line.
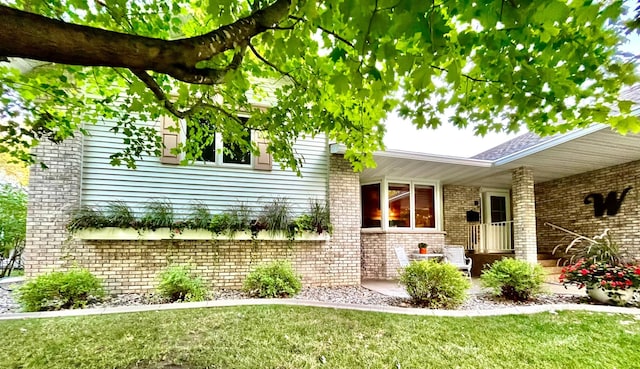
[417, 256]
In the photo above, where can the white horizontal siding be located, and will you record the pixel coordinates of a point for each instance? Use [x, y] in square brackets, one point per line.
[220, 187]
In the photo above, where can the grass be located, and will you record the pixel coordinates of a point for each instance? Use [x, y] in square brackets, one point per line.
[304, 337]
[16, 273]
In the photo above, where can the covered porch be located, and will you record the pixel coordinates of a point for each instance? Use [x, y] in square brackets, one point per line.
[486, 205]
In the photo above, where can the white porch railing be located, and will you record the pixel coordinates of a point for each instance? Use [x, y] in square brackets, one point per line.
[490, 237]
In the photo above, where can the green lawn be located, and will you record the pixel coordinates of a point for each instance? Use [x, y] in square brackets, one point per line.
[304, 337]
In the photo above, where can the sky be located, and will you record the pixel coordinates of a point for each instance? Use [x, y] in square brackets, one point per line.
[446, 140]
[451, 141]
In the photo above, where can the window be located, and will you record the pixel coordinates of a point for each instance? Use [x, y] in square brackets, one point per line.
[498, 209]
[371, 213]
[231, 153]
[399, 205]
[235, 154]
[409, 205]
[425, 209]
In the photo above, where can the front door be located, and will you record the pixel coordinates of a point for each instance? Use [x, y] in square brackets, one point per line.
[496, 221]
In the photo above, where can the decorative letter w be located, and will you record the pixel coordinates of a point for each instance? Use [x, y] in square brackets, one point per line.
[611, 203]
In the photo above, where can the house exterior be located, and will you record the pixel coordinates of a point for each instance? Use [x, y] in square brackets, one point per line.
[496, 202]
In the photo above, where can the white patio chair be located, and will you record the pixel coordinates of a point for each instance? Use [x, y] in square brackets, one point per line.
[455, 255]
[403, 259]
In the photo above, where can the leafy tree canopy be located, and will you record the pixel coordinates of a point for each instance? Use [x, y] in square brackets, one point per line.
[13, 218]
[339, 68]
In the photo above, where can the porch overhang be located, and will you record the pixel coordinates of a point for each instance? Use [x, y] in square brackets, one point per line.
[580, 151]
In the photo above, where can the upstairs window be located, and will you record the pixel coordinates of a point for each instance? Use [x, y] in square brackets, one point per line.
[230, 152]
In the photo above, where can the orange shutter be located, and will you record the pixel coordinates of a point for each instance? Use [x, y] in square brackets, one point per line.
[262, 161]
[170, 139]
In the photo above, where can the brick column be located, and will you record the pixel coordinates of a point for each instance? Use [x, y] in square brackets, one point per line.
[524, 215]
[53, 193]
[343, 256]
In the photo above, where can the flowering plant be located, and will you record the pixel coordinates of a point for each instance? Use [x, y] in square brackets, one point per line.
[601, 273]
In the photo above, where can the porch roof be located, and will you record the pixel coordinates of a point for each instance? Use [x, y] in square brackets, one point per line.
[576, 152]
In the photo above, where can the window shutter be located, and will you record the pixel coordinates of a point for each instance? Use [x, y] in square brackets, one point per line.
[262, 161]
[170, 139]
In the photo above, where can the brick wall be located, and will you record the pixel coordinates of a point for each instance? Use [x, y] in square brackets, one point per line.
[53, 193]
[132, 266]
[379, 260]
[457, 201]
[524, 215]
[343, 254]
[561, 202]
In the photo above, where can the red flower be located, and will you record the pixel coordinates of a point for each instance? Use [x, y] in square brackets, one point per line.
[637, 271]
[584, 272]
[603, 283]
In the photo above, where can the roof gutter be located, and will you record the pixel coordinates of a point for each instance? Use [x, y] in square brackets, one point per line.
[408, 155]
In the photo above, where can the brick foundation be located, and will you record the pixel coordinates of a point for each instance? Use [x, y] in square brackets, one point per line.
[133, 266]
[379, 260]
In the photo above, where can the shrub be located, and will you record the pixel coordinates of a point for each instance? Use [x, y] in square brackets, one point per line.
[513, 279]
[177, 283]
[434, 285]
[276, 279]
[60, 290]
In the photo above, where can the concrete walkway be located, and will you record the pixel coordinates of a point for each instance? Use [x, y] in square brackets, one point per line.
[394, 289]
[10, 280]
[290, 302]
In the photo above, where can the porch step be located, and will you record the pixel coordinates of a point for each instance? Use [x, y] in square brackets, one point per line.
[546, 256]
[548, 262]
[551, 266]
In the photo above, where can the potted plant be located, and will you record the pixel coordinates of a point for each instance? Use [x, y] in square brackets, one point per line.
[422, 246]
[605, 282]
[600, 267]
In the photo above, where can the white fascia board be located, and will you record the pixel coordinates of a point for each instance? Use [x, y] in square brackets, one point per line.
[549, 144]
[409, 155]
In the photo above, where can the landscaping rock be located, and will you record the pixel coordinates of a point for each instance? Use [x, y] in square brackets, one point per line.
[343, 295]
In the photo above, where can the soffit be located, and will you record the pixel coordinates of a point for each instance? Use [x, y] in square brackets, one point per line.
[593, 151]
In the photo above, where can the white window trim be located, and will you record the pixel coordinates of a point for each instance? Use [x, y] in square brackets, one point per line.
[219, 155]
[384, 204]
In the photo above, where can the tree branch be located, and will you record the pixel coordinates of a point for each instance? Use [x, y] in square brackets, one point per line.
[262, 59]
[337, 36]
[466, 75]
[157, 91]
[32, 36]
